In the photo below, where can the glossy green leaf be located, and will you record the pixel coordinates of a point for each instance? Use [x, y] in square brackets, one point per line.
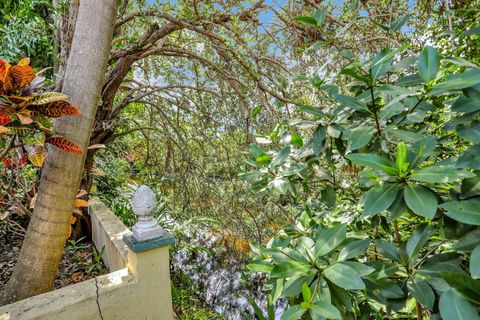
[428, 64]
[317, 140]
[453, 307]
[388, 250]
[312, 110]
[376, 201]
[475, 263]
[328, 239]
[422, 292]
[360, 137]
[280, 157]
[416, 241]
[373, 161]
[344, 277]
[321, 310]
[440, 174]
[469, 288]
[470, 158]
[466, 79]
[306, 20]
[293, 313]
[288, 269]
[350, 102]
[353, 249]
[421, 200]
[466, 211]
[399, 23]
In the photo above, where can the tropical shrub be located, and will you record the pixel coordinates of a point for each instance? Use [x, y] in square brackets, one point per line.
[399, 135]
[27, 114]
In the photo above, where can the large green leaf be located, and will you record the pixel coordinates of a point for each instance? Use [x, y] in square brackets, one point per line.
[466, 211]
[466, 105]
[415, 243]
[440, 174]
[373, 161]
[288, 269]
[475, 263]
[328, 239]
[466, 79]
[353, 249]
[422, 292]
[388, 250]
[421, 200]
[428, 64]
[293, 313]
[306, 20]
[350, 102]
[399, 23]
[360, 137]
[454, 307]
[321, 310]
[344, 277]
[469, 288]
[470, 132]
[317, 139]
[385, 287]
[377, 201]
[312, 110]
[470, 158]
[280, 157]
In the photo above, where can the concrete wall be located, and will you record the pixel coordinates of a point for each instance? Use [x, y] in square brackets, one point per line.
[141, 290]
[107, 233]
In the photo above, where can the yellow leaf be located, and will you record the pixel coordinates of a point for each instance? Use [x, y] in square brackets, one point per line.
[24, 62]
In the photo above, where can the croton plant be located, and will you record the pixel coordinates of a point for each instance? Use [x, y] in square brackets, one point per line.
[27, 113]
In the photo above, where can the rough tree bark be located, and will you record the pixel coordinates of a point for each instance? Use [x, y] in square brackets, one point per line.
[43, 246]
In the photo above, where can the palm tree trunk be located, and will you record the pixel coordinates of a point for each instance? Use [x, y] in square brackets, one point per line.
[42, 249]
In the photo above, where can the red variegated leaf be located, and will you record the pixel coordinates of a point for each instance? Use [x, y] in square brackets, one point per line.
[65, 145]
[56, 109]
[48, 97]
[6, 110]
[36, 155]
[8, 162]
[22, 161]
[5, 120]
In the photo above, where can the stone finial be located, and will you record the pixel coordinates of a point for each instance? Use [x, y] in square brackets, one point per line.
[143, 205]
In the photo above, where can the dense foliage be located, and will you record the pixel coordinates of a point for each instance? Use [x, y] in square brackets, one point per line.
[399, 137]
[354, 123]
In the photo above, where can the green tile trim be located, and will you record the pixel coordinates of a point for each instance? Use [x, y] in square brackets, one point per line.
[141, 246]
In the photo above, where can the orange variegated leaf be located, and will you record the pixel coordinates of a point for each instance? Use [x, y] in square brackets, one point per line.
[56, 109]
[48, 97]
[4, 67]
[80, 203]
[65, 145]
[36, 155]
[21, 76]
[4, 130]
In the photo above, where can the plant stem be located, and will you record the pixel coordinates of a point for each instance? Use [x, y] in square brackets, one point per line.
[418, 306]
[398, 238]
[377, 123]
